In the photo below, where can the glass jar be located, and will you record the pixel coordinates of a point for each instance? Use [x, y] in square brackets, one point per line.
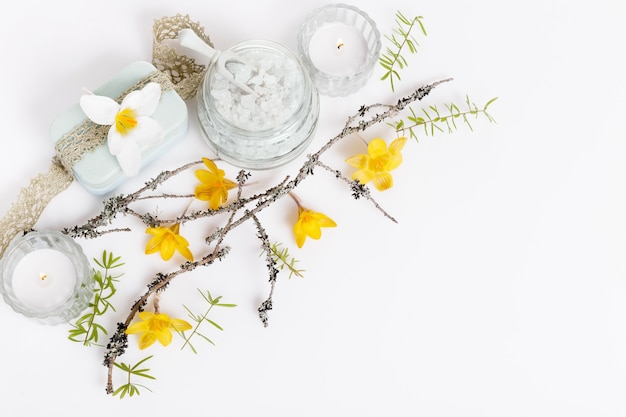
[45, 275]
[265, 129]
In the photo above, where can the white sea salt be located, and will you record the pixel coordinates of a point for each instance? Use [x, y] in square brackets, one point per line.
[277, 81]
[267, 128]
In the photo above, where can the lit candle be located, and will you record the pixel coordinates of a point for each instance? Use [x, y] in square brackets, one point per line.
[339, 46]
[337, 49]
[44, 279]
[45, 275]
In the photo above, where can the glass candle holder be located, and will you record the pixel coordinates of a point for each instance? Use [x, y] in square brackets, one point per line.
[265, 129]
[45, 275]
[339, 46]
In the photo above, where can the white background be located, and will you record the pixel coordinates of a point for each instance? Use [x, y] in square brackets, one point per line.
[501, 292]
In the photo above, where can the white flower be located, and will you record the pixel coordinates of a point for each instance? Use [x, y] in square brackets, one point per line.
[131, 124]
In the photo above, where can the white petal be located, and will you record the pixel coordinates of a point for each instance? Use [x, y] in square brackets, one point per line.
[152, 93]
[129, 158]
[147, 132]
[115, 141]
[144, 101]
[100, 109]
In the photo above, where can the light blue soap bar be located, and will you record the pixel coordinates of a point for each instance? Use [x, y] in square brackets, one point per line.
[98, 171]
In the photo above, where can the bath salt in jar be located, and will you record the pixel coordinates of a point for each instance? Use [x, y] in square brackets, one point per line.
[265, 129]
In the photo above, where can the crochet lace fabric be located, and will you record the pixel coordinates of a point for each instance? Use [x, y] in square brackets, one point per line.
[31, 201]
[185, 73]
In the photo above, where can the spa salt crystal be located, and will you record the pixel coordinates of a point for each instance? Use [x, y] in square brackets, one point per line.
[277, 82]
[267, 128]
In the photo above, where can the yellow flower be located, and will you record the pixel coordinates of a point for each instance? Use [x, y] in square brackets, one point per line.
[214, 187]
[310, 224]
[167, 240]
[155, 327]
[375, 166]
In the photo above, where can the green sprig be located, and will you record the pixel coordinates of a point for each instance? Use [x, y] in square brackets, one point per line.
[129, 388]
[201, 318]
[401, 39]
[86, 330]
[284, 260]
[432, 119]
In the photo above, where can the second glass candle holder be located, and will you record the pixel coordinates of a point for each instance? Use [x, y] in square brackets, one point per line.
[45, 275]
[339, 45]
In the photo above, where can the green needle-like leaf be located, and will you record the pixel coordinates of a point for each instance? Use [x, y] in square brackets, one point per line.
[201, 318]
[437, 120]
[400, 39]
[86, 326]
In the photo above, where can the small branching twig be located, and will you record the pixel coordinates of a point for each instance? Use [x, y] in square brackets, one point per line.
[358, 190]
[119, 205]
[271, 267]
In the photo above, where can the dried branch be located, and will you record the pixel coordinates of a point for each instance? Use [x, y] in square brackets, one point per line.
[240, 211]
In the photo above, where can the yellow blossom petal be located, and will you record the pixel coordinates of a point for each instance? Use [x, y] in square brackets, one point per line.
[311, 228]
[204, 176]
[146, 340]
[309, 224]
[383, 181]
[213, 186]
[363, 176]
[323, 220]
[182, 245]
[165, 338]
[393, 163]
[396, 145]
[139, 327]
[168, 246]
[378, 162]
[210, 164]
[358, 161]
[180, 325]
[300, 235]
[167, 240]
[155, 327]
[377, 148]
[146, 315]
[154, 244]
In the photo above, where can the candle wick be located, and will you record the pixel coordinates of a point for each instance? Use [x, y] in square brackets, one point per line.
[43, 276]
[339, 43]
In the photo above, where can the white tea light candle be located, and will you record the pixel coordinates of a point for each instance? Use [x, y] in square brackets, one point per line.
[339, 46]
[45, 275]
[338, 49]
[44, 279]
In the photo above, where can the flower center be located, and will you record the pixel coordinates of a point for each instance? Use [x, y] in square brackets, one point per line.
[125, 121]
[378, 164]
[158, 324]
